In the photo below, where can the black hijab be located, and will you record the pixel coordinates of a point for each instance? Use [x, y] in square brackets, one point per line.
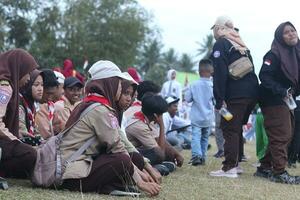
[289, 56]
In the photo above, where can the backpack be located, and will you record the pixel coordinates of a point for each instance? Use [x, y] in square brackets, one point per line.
[49, 168]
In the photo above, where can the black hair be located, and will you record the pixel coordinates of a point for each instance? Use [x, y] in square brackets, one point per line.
[50, 80]
[205, 64]
[147, 86]
[153, 104]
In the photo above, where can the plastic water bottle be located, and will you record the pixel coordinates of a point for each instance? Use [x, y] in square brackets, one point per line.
[226, 114]
[290, 102]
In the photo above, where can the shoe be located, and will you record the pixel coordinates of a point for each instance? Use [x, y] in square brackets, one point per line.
[244, 158]
[162, 169]
[186, 146]
[208, 147]
[263, 173]
[285, 178]
[232, 173]
[219, 154]
[196, 161]
[124, 193]
[3, 184]
[292, 165]
[170, 165]
[239, 169]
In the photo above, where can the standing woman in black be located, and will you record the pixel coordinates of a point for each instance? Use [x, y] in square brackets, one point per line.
[279, 77]
[239, 95]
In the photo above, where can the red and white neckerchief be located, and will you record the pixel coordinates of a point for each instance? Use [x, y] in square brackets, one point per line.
[51, 114]
[139, 115]
[29, 115]
[96, 98]
[136, 103]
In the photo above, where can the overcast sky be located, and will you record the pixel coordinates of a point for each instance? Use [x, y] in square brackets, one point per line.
[184, 22]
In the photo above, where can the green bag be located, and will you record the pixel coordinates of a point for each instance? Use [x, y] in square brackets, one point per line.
[261, 137]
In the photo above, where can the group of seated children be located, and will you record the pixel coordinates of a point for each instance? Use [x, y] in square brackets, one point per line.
[129, 139]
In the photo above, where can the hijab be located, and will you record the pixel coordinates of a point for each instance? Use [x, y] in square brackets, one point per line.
[15, 64]
[169, 74]
[106, 87]
[26, 99]
[227, 31]
[289, 56]
[26, 91]
[125, 85]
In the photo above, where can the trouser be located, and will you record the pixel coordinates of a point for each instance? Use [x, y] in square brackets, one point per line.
[154, 155]
[232, 130]
[218, 132]
[200, 136]
[279, 126]
[18, 159]
[109, 172]
[137, 160]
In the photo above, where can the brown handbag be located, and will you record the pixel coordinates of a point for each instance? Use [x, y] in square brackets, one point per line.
[239, 68]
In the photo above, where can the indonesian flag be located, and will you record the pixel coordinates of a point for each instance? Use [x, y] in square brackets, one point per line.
[267, 62]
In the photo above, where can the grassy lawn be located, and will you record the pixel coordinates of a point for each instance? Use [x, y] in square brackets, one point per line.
[188, 182]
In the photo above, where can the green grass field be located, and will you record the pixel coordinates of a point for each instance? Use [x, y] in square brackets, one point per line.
[188, 182]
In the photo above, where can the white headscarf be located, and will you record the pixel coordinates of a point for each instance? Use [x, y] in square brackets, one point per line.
[169, 74]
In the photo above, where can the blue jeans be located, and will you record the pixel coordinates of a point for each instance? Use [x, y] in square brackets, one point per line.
[178, 139]
[200, 141]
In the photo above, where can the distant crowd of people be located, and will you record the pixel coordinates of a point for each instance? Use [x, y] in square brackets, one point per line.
[116, 134]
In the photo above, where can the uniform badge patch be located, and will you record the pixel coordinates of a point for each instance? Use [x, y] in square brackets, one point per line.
[217, 54]
[113, 121]
[268, 62]
[4, 97]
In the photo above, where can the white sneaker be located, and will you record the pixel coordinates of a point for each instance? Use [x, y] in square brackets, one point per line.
[239, 170]
[232, 173]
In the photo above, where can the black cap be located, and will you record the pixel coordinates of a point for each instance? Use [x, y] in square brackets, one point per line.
[72, 81]
[49, 78]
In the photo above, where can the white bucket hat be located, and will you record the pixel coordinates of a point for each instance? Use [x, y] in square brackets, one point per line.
[129, 78]
[106, 69]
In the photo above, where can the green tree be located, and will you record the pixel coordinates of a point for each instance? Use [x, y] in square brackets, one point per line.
[206, 46]
[104, 29]
[47, 42]
[156, 73]
[186, 63]
[18, 22]
[151, 55]
[170, 58]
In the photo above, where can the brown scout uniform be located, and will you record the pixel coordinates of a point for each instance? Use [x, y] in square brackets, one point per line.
[99, 122]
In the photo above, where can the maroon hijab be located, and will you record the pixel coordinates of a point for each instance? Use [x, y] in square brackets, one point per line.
[15, 64]
[106, 87]
[125, 85]
[289, 56]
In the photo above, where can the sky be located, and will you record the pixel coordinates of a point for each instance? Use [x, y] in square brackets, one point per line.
[183, 23]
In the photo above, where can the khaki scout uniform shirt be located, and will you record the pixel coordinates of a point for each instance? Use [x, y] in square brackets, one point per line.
[5, 96]
[43, 124]
[99, 122]
[64, 109]
[141, 134]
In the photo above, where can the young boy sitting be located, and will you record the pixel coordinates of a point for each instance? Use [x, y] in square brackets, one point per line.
[200, 93]
[148, 140]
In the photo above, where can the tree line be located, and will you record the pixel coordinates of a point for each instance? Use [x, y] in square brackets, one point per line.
[118, 30]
